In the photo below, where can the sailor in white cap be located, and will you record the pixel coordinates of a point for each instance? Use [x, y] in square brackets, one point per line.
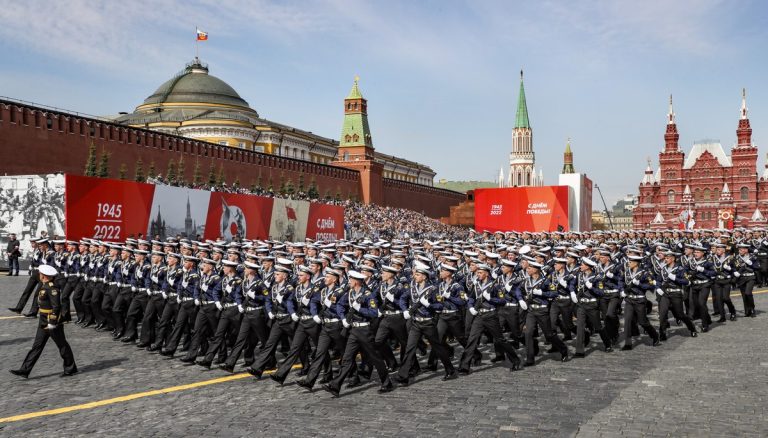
[49, 326]
[588, 290]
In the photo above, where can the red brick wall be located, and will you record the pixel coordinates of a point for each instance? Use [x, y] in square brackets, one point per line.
[431, 201]
[35, 140]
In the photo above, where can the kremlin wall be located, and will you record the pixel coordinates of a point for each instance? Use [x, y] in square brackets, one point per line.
[200, 118]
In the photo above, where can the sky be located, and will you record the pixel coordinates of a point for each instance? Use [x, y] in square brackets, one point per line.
[441, 77]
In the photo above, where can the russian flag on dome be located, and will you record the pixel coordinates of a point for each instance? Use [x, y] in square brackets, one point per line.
[202, 36]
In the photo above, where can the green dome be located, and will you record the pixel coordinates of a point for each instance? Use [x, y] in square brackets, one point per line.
[195, 85]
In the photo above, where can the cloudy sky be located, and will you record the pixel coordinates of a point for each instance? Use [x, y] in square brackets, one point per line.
[441, 77]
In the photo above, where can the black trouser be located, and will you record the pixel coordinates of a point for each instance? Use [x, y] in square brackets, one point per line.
[699, 297]
[97, 296]
[229, 320]
[746, 284]
[330, 336]
[205, 326]
[427, 329]
[32, 284]
[609, 304]
[673, 301]
[589, 312]
[509, 318]
[635, 313]
[539, 316]
[120, 305]
[762, 273]
[66, 292]
[135, 313]
[253, 330]
[78, 295]
[391, 327]
[306, 331]
[284, 326]
[167, 322]
[360, 339]
[721, 297]
[562, 306]
[687, 301]
[482, 323]
[152, 314]
[41, 337]
[185, 319]
[13, 265]
[448, 324]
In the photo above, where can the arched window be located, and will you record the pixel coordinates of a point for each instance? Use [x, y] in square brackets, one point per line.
[347, 138]
[355, 137]
[715, 194]
[527, 178]
[519, 179]
[697, 195]
[671, 196]
[744, 193]
[706, 194]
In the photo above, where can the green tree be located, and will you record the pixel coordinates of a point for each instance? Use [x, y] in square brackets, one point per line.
[138, 172]
[170, 174]
[282, 183]
[237, 182]
[122, 171]
[103, 171]
[289, 189]
[152, 173]
[90, 162]
[301, 183]
[260, 182]
[313, 193]
[212, 174]
[221, 179]
[270, 184]
[181, 171]
[327, 194]
[197, 177]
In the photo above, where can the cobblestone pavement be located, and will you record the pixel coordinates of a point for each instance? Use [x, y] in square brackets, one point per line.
[713, 385]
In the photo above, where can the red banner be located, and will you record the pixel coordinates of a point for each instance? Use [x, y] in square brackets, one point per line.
[233, 215]
[114, 210]
[106, 209]
[522, 209]
[325, 222]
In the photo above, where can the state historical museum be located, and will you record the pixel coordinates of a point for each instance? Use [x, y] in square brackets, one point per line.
[706, 189]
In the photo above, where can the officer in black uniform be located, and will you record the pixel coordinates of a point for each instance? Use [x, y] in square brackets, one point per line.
[744, 267]
[49, 326]
[231, 306]
[155, 301]
[669, 286]
[392, 324]
[586, 290]
[637, 282]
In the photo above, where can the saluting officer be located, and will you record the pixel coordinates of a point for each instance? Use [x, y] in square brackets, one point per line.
[49, 326]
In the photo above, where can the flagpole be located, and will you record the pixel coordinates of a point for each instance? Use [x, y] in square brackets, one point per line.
[197, 45]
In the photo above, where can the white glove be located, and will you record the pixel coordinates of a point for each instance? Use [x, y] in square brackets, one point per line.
[327, 302]
[149, 293]
[355, 305]
[537, 292]
[623, 294]
[700, 268]
[563, 283]
[178, 299]
[390, 296]
[165, 295]
[251, 294]
[737, 274]
[523, 305]
[279, 298]
[305, 301]
[588, 284]
[219, 306]
[635, 281]
[424, 301]
[271, 315]
[609, 274]
[317, 319]
[672, 277]
[345, 323]
[748, 262]
[406, 314]
[154, 278]
[486, 295]
[473, 311]
[574, 298]
[133, 288]
[240, 308]
[727, 267]
[294, 317]
[184, 284]
[50, 327]
[446, 294]
[659, 291]
[197, 302]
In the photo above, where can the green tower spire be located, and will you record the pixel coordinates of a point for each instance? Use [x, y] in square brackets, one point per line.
[521, 119]
[355, 131]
